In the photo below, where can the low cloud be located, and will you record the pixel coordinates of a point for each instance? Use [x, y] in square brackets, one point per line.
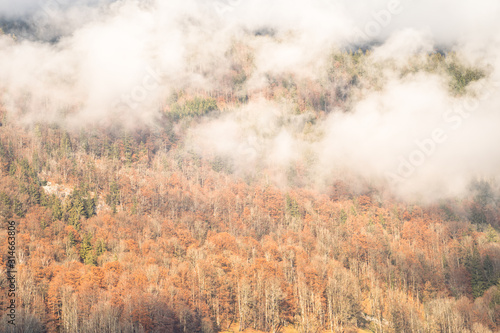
[94, 62]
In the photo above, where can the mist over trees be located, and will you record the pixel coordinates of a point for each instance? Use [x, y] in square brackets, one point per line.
[235, 167]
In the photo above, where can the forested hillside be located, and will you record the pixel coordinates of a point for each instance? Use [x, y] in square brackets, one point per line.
[224, 166]
[131, 230]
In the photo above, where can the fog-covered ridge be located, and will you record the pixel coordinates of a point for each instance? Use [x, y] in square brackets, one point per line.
[398, 115]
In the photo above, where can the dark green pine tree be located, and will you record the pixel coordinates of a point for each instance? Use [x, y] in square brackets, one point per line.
[115, 151]
[87, 251]
[5, 205]
[34, 193]
[57, 209]
[65, 145]
[127, 149]
[76, 212]
[479, 281]
[18, 208]
[113, 198]
[100, 247]
[71, 239]
[6, 157]
[489, 272]
[90, 206]
[292, 206]
[84, 141]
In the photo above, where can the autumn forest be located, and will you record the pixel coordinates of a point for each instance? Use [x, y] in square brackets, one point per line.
[239, 187]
